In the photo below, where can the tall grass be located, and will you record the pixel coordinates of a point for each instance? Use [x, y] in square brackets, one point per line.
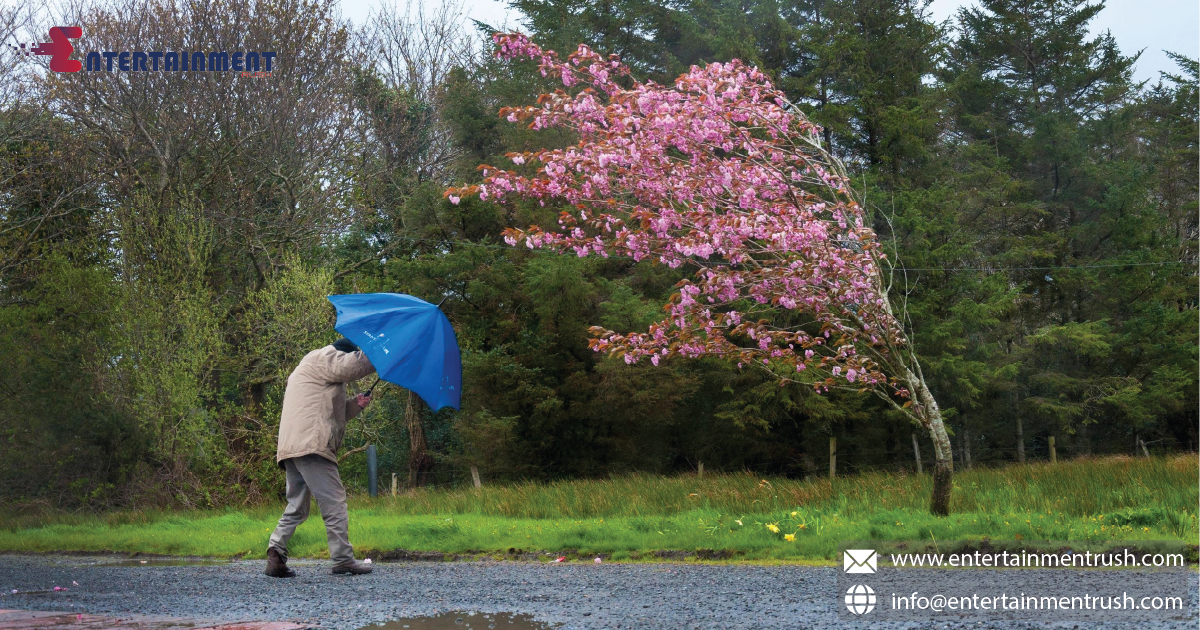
[1091, 499]
[1080, 487]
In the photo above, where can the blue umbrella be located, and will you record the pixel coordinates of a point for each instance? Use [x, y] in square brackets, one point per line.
[409, 341]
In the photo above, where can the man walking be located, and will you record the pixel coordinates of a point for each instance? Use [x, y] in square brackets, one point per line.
[311, 428]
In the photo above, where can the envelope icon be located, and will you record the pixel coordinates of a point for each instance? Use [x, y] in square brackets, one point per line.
[860, 561]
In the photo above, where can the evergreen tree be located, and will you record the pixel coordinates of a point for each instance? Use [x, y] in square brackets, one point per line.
[1045, 124]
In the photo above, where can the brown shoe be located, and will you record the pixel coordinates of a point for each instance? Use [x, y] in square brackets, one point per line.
[353, 567]
[277, 565]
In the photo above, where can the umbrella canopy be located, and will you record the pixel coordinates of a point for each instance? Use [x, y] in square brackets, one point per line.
[408, 340]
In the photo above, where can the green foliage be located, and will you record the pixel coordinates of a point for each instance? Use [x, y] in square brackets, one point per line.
[167, 335]
[629, 516]
[287, 319]
[60, 440]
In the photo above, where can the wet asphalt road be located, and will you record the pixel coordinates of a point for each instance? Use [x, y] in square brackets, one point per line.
[571, 595]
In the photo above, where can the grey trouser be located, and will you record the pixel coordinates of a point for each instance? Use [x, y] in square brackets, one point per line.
[314, 476]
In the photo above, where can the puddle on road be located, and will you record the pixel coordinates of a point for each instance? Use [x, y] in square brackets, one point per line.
[164, 562]
[464, 620]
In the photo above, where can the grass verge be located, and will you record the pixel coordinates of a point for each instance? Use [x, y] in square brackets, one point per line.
[738, 515]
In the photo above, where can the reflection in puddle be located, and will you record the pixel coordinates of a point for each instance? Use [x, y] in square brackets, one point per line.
[464, 620]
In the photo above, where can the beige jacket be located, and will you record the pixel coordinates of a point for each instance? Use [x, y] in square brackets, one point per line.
[315, 409]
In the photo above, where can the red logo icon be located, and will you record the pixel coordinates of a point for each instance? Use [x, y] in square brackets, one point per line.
[59, 49]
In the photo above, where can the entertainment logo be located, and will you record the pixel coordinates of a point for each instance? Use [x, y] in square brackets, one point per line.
[59, 49]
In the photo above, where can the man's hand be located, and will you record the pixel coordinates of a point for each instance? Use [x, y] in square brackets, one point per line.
[363, 400]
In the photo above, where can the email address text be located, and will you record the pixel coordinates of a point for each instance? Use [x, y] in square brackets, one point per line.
[939, 602]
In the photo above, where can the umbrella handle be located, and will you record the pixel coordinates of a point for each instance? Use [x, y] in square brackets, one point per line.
[372, 387]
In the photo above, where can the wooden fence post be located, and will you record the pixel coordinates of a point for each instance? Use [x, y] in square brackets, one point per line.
[372, 472]
[699, 469]
[393, 484]
[917, 453]
[1053, 454]
[475, 477]
[832, 457]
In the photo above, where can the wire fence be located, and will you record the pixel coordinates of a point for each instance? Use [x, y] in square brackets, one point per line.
[447, 475]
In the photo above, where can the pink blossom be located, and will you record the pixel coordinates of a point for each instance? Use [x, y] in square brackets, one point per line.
[712, 171]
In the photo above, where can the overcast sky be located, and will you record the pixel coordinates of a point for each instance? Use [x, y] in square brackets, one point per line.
[1149, 25]
[1152, 25]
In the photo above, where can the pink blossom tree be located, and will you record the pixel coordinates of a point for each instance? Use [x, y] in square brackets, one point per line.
[719, 172]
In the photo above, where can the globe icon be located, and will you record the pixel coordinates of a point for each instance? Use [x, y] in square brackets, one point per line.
[860, 599]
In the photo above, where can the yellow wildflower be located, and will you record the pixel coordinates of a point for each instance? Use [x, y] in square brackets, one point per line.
[789, 537]
[773, 527]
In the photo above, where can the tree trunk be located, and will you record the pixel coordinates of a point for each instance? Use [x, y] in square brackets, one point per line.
[1020, 441]
[943, 452]
[966, 440]
[917, 454]
[924, 408]
[420, 463]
